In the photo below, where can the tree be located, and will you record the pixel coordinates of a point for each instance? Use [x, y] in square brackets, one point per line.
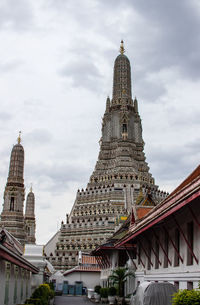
[119, 277]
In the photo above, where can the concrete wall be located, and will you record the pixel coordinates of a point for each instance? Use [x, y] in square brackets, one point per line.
[89, 279]
[15, 283]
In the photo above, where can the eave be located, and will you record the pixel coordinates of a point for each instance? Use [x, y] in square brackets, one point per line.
[8, 255]
[169, 206]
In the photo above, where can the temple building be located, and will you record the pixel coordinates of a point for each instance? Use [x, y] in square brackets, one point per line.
[121, 181]
[163, 246]
[12, 218]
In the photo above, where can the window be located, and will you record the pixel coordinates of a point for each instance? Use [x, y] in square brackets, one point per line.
[12, 200]
[124, 128]
[177, 245]
[176, 284]
[189, 285]
[190, 237]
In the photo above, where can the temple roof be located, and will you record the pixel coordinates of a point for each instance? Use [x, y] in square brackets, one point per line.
[186, 192]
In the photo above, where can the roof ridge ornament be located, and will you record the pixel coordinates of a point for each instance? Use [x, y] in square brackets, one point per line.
[19, 137]
[122, 50]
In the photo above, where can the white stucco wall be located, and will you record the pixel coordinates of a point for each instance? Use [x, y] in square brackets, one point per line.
[51, 245]
[34, 254]
[22, 282]
[89, 279]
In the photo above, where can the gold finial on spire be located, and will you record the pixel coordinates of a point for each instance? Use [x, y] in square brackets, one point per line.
[31, 188]
[122, 50]
[19, 137]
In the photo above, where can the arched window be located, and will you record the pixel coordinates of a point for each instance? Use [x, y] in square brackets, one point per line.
[12, 200]
[124, 128]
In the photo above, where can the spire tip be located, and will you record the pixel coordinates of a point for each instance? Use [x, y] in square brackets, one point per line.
[122, 50]
[19, 137]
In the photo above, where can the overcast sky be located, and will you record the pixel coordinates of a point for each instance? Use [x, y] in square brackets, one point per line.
[56, 69]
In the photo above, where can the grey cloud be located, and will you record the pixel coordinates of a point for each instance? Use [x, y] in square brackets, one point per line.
[45, 206]
[170, 163]
[9, 66]
[83, 73]
[166, 34]
[57, 177]
[5, 116]
[182, 118]
[15, 14]
[177, 41]
[148, 90]
[38, 136]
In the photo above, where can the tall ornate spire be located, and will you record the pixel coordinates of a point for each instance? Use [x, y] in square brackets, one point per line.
[122, 78]
[121, 157]
[30, 217]
[12, 216]
[16, 169]
[113, 188]
[30, 204]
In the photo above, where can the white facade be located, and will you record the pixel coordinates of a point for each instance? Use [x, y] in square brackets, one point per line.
[15, 271]
[35, 255]
[186, 273]
[89, 279]
[165, 244]
[15, 283]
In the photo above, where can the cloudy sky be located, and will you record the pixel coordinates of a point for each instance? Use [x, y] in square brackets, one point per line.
[56, 66]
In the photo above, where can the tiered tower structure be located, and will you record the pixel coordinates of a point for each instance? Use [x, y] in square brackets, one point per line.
[120, 174]
[30, 217]
[12, 216]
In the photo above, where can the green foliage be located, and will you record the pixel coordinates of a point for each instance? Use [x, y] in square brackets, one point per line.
[119, 277]
[33, 301]
[186, 297]
[41, 295]
[112, 291]
[97, 289]
[104, 292]
[51, 294]
[51, 285]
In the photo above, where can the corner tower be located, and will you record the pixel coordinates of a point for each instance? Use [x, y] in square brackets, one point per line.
[30, 217]
[12, 217]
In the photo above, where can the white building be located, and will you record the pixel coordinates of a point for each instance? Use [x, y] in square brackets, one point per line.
[15, 271]
[86, 272]
[164, 245]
